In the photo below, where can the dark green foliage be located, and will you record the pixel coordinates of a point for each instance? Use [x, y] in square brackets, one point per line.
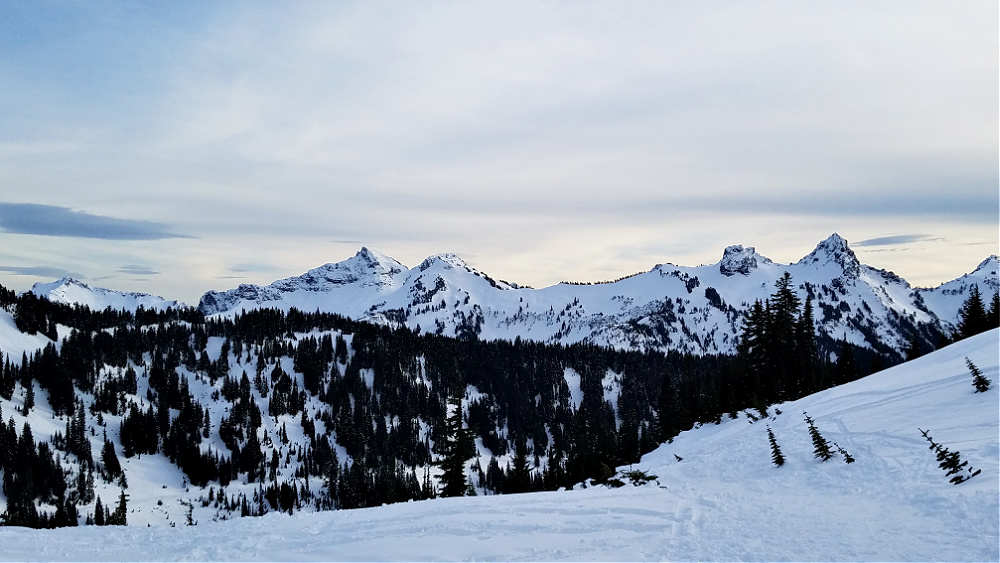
[778, 346]
[639, 477]
[776, 457]
[821, 448]
[972, 317]
[950, 462]
[519, 476]
[848, 458]
[112, 467]
[457, 447]
[979, 381]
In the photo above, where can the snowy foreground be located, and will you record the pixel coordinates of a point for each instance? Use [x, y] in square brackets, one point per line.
[724, 500]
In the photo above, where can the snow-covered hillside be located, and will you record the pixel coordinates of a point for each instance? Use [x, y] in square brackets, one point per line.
[718, 495]
[73, 292]
[690, 309]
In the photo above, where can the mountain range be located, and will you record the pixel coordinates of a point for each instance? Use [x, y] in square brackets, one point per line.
[697, 310]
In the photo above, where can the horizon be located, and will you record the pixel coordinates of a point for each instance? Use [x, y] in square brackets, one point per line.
[194, 302]
[179, 148]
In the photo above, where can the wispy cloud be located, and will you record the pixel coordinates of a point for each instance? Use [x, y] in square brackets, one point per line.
[244, 268]
[51, 220]
[896, 240]
[40, 271]
[138, 270]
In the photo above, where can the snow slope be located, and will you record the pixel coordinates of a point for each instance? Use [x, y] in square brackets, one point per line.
[723, 500]
[71, 292]
[692, 309]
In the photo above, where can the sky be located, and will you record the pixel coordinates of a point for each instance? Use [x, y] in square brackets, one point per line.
[178, 147]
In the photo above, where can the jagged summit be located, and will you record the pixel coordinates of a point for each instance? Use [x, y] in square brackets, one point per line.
[367, 268]
[447, 260]
[739, 260]
[834, 250]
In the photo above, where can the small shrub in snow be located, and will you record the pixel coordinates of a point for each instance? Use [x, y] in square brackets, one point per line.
[950, 461]
[847, 457]
[776, 456]
[639, 477]
[980, 381]
[821, 448]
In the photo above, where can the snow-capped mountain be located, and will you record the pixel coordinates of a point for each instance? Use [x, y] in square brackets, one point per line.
[71, 292]
[345, 285]
[692, 309]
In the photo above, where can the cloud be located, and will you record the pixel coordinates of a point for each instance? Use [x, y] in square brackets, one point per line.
[51, 220]
[895, 239]
[244, 268]
[40, 271]
[138, 270]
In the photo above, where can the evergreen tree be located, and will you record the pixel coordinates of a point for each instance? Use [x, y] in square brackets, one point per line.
[848, 458]
[972, 317]
[821, 448]
[519, 477]
[120, 515]
[457, 447]
[29, 396]
[979, 381]
[994, 312]
[805, 344]
[776, 456]
[112, 467]
[99, 512]
[950, 462]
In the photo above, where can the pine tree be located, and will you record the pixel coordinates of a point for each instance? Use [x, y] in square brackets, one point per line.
[994, 312]
[776, 456]
[458, 447]
[29, 396]
[848, 458]
[805, 344]
[979, 381]
[821, 448]
[99, 512]
[950, 462]
[120, 515]
[972, 317]
[519, 476]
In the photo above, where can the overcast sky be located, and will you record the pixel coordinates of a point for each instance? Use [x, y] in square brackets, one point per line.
[177, 147]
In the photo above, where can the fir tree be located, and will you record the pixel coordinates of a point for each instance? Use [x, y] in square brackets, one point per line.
[848, 458]
[979, 381]
[519, 476]
[776, 456]
[821, 448]
[29, 397]
[458, 447]
[950, 462]
[98, 512]
[972, 317]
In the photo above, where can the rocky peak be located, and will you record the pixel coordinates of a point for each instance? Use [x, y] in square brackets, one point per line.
[739, 260]
[447, 261]
[834, 250]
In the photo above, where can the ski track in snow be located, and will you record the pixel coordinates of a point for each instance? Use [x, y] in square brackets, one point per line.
[724, 501]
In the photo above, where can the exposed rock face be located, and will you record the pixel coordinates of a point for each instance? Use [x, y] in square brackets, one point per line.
[739, 260]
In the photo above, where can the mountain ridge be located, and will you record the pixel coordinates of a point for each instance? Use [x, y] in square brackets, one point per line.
[695, 309]
[690, 309]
